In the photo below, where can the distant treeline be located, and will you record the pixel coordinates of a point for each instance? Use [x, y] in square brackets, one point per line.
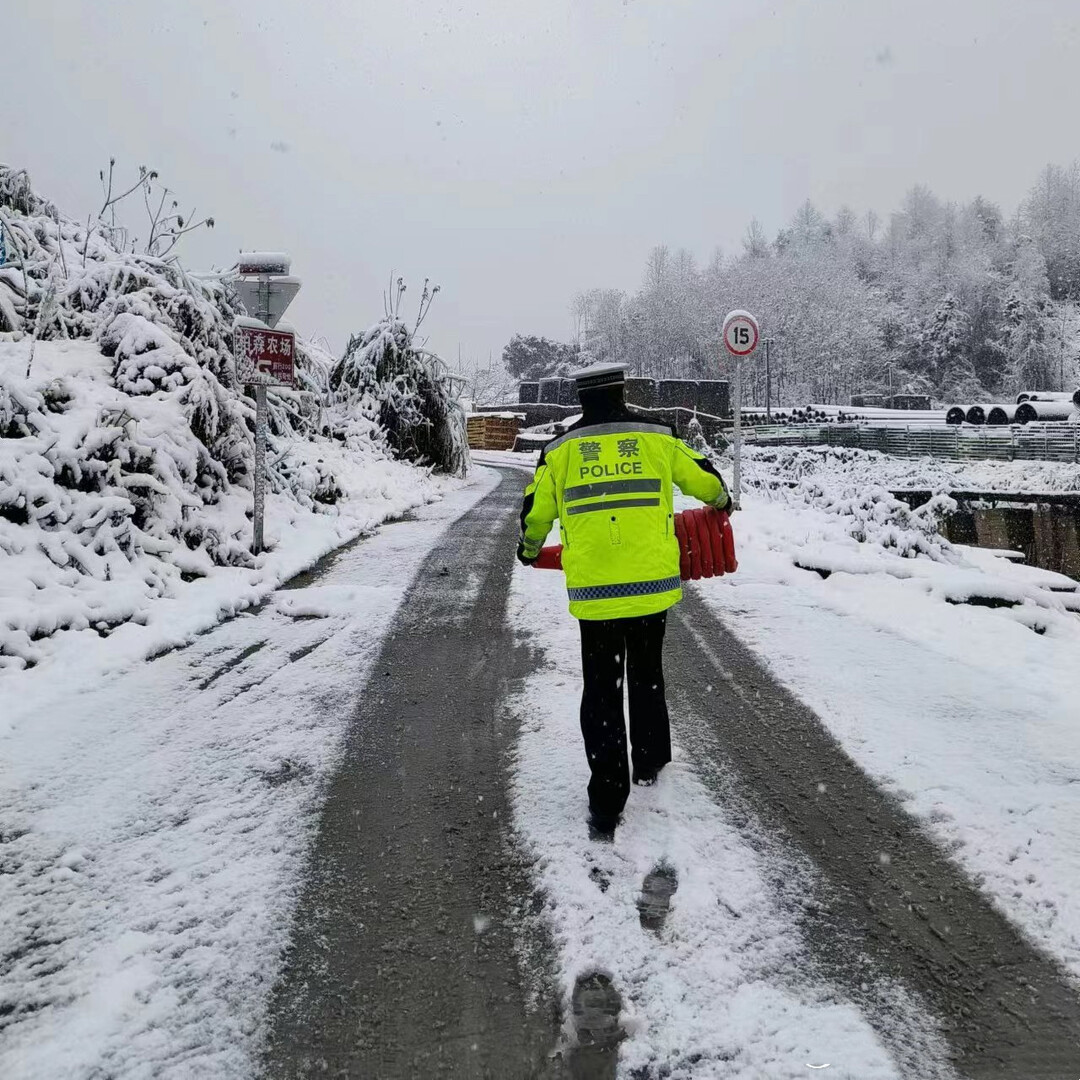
[955, 301]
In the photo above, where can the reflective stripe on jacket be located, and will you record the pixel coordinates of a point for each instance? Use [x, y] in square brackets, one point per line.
[610, 487]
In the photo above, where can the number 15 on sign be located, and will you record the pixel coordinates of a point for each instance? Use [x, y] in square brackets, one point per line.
[741, 337]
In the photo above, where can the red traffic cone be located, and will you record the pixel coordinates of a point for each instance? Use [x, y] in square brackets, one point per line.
[706, 545]
[550, 558]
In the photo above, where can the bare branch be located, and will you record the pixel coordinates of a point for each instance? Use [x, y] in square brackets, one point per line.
[89, 232]
[155, 219]
[60, 241]
[175, 236]
[113, 201]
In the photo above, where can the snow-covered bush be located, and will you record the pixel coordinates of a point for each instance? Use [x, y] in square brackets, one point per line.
[850, 485]
[695, 437]
[874, 515]
[384, 378]
[126, 443]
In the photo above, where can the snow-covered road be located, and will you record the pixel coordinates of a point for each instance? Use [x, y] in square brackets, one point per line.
[728, 988]
[155, 830]
[962, 712]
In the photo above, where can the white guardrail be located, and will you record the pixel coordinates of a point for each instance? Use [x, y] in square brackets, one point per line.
[1032, 442]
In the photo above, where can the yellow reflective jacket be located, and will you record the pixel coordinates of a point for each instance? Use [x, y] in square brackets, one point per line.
[610, 486]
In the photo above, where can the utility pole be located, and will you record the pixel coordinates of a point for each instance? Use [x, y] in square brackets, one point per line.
[768, 381]
[1061, 338]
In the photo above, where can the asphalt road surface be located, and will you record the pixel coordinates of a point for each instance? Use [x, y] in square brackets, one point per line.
[414, 953]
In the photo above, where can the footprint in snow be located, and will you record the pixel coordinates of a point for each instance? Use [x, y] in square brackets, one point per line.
[655, 901]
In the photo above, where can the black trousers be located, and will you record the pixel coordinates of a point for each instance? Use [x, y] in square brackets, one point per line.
[610, 649]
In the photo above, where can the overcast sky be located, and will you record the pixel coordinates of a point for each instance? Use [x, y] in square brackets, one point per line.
[517, 152]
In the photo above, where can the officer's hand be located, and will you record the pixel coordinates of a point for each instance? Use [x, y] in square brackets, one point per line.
[526, 560]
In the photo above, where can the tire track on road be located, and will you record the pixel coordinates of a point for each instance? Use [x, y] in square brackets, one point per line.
[1007, 1010]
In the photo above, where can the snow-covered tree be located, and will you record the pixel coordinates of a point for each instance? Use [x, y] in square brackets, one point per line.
[943, 346]
[938, 301]
[386, 378]
[1025, 317]
[134, 457]
[526, 356]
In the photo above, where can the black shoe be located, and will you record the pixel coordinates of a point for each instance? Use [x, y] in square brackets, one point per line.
[646, 778]
[602, 828]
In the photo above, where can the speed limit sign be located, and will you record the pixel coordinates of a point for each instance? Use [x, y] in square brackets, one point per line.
[741, 333]
[741, 337]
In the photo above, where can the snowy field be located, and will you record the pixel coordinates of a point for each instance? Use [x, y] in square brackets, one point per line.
[846, 467]
[968, 714]
[155, 815]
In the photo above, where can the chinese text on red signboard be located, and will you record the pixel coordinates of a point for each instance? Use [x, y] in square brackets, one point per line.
[264, 355]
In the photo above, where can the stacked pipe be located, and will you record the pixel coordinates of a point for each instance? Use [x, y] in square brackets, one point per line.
[1030, 410]
[706, 545]
[1002, 414]
[1046, 395]
[1042, 406]
[848, 413]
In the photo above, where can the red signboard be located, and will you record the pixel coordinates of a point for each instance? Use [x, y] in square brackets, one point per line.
[263, 355]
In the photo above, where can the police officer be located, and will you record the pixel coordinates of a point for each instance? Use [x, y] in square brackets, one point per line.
[608, 480]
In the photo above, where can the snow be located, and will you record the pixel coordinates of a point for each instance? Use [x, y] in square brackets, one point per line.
[263, 262]
[726, 989]
[869, 467]
[81, 566]
[156, 815]
[962, 712]
[526, 461]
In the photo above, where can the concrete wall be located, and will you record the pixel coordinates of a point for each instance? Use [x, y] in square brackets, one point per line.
[1047, 534]
[641, 392]
[677, 394]
[710, 396]
[714, 397]
[542, 413]
[549, 391]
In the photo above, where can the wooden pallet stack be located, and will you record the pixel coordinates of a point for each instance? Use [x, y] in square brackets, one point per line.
[492, 431]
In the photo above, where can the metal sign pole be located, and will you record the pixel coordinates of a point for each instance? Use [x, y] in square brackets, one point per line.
[741, 335]
[736, 480]
[268, 356]
[260, 466]
[263, 313]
